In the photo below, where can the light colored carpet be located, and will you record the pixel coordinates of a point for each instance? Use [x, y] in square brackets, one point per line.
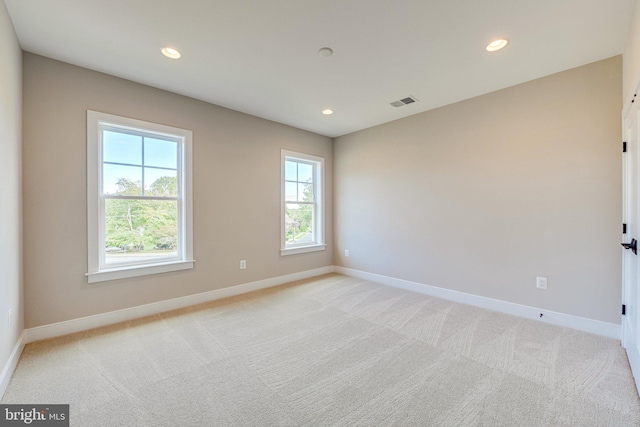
[331, 351]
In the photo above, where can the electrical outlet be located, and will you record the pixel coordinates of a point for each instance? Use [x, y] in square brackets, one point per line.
[346, 252]
[541, 282]
[243, 264]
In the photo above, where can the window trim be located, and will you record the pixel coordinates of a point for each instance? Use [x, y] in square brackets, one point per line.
[95, 211]
[319, 197]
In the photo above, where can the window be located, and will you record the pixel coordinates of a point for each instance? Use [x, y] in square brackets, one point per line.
[139, 198]
[302, 203]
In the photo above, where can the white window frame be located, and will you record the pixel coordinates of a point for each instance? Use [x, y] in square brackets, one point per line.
[98, 271]
[319, 215]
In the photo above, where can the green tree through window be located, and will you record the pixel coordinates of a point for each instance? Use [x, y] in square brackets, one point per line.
[299, 217]
[137, 225]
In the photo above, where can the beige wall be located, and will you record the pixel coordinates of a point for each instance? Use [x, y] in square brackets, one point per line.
[484, 195]
[236, 192]
[631, 56]
[10, 182]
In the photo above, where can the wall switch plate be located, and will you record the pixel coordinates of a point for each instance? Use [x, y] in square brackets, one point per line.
[346, 252]
[243, 264]
[541, 282]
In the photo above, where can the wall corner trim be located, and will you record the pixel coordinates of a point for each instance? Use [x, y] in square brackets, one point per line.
[11, 364]
[597, 327]
[84, 323]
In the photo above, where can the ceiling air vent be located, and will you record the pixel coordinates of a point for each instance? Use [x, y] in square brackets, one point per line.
[404, 101]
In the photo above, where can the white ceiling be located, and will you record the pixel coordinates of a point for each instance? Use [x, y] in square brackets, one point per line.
[260, 56]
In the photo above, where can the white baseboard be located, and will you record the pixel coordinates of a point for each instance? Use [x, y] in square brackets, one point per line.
[11, 364]
[76, 325]
[95, 321]
[597, 327]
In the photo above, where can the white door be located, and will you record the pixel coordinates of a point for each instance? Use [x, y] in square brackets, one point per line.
[630, 264]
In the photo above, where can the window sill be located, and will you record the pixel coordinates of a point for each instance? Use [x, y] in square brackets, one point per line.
[302, 249]
[138, 270]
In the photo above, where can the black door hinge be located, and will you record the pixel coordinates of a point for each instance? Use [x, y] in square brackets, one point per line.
[624, 228]
[624, 147]
[624, 309]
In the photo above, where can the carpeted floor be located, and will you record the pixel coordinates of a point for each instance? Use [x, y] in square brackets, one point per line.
[331, 351]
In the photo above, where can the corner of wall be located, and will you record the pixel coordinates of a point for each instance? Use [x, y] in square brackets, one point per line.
[11, 280]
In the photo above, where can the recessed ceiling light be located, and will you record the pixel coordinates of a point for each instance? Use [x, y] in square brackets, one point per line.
[497, 45]
[327, 112]
[170, 52]
[325, 51]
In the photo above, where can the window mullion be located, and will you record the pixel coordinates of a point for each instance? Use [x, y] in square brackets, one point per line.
[127, 197]
[143, 171]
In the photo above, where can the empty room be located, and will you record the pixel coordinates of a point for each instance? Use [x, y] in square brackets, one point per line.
[252, 213]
